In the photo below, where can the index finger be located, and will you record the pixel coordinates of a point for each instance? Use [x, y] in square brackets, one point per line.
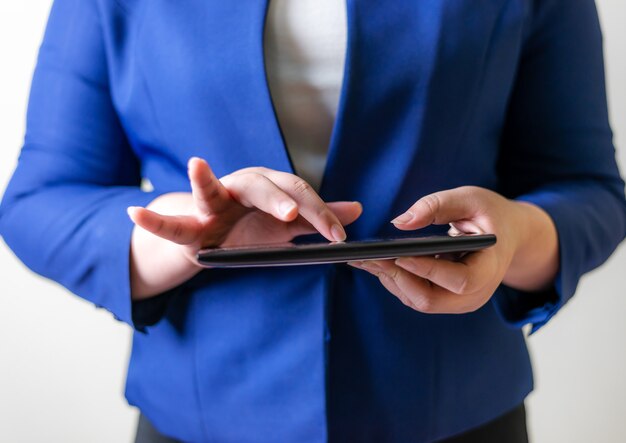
[209, 194]
[310, 204]
[466, 276]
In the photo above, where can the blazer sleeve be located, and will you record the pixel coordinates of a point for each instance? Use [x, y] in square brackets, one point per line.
[64, 211]
[557, 151]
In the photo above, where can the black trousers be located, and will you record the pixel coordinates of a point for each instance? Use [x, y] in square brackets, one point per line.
[508, 428]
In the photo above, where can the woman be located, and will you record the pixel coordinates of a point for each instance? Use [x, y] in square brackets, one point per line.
[488, 116]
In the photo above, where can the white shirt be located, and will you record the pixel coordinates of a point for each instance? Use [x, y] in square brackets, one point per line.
[305, 45]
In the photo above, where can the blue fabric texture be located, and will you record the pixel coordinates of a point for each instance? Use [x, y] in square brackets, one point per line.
[504, 94]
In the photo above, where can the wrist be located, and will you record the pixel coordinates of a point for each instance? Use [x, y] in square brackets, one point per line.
[157, 265]
[535, 260]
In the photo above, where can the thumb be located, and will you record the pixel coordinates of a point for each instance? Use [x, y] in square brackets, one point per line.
[439, 208]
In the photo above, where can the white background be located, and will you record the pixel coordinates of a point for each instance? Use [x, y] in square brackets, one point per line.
[63, 363]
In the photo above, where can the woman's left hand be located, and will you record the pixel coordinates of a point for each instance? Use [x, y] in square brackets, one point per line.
[525, 255]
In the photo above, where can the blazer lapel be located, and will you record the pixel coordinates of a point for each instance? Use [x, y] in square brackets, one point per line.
[411, 76]
[211, 93]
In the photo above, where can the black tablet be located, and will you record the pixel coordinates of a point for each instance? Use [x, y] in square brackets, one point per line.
[320, 253]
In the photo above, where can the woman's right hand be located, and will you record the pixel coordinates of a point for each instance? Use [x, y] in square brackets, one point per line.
[250, 206]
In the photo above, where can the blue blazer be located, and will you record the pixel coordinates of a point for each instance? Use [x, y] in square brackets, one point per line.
[504, 94]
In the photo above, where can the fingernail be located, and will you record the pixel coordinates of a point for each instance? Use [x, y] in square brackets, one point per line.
[404, 218]
[454, 232]
[193, 160]
[285, 208]
[405, 263]
[356, 264]
[131, 210]
[337, 232]
[370, 266]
